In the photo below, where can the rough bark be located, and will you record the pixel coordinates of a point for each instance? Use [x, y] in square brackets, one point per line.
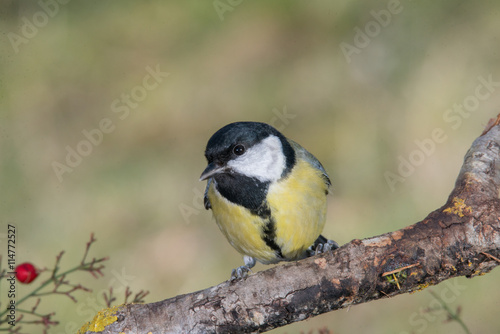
[461, 238]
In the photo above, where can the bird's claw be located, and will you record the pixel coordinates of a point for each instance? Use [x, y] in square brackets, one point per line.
[242, 272]
[322, 246]
[239, 273]
[325, 247]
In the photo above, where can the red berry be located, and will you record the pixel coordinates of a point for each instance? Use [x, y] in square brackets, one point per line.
[26, 273]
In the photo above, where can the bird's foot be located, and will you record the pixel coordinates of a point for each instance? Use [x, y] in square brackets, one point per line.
[321, 245]
[325, 247]
[242, 271]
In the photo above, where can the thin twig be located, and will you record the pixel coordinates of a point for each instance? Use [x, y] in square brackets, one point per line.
[89, 243]
[139, 297]
[400, 269]
[128, 293]
[451, 314]
[56, 266]
[491, 256]
[397, 281]
[111, 299]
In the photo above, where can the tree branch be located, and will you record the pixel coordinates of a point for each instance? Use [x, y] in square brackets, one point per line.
[462, 238]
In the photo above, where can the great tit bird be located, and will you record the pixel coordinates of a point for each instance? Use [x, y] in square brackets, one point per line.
[267, 194]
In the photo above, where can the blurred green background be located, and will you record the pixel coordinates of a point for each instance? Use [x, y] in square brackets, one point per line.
[357, 100]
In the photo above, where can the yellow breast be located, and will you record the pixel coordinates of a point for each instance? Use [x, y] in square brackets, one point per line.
[298, 205]
[298, 208]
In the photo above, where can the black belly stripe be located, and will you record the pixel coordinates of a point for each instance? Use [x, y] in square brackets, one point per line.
[269, 228]
[231, 186]
[269, 237]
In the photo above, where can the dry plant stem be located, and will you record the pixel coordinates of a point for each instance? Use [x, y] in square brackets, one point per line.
[491, 256]
[451, 241]
[451, 315]
[61, 286]
[392, 272]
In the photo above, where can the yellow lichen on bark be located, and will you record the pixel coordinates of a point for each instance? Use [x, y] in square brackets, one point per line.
[458, 208]
[101, 320]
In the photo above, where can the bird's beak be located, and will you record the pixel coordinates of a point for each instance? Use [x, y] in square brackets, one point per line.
[211, 170]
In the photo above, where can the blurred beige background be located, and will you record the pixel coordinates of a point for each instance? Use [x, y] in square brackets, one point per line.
[374, 89]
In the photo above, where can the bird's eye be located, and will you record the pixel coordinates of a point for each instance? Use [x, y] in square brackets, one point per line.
[239, 149]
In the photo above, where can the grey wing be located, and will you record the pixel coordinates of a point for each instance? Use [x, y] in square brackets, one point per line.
[307, 156]
[206, 201]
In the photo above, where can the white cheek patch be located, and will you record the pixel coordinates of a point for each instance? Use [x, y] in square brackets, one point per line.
[264, 161]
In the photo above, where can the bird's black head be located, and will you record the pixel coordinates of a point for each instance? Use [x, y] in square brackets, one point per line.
[252, 149]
